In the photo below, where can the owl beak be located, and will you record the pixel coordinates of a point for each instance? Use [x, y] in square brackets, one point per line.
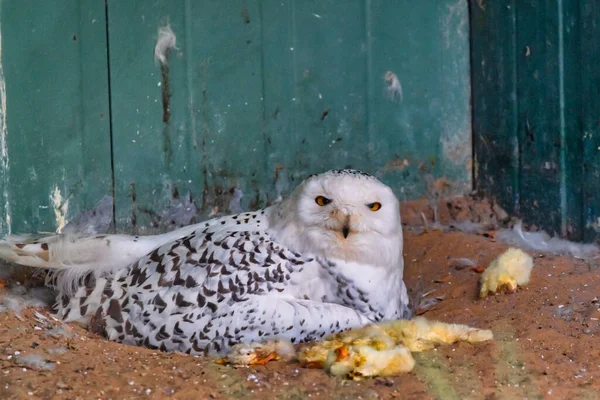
[346, 227]
[342, 217]
[346, 230]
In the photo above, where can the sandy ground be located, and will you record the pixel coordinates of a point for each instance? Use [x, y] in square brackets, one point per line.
[547, 344]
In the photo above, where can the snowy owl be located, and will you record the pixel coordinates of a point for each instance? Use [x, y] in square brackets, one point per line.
[325, 259]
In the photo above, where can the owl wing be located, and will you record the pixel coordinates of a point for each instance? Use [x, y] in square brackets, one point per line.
[71, 257]
[211, 288]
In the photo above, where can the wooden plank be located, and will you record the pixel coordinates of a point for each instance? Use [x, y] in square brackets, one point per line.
[590, 95]
[423, 133]
[526, 89]
[315, 88]
[548, 123]
[231, 102]
[212, 142]
[329, 97]
[571, 125]
[495, 109]
[57, 116]
[151, 158]
[279, 88]
[276, 90]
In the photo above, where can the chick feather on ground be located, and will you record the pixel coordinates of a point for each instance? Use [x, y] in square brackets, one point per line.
[510, 270]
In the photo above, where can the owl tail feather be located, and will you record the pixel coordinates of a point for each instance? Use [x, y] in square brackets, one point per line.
[71, 258]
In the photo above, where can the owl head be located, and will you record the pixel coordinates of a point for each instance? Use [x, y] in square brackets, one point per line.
[342, 214]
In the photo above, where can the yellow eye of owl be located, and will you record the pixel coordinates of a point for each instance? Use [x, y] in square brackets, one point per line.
[322, 201]
[374, 206]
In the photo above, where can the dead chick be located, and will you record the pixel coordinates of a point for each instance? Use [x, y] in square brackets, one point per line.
[510, 270]
[359, 353]
[381, 349]
[420, 334]
[384, 349]
[358, 362]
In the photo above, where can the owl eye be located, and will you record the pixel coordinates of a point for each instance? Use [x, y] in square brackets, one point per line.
[322, 201]
[374, 206]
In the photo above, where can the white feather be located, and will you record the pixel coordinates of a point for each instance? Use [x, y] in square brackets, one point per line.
[542, 242]
[165, 42]
[73, 257]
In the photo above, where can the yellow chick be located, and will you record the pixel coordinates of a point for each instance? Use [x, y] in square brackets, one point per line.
[385, 348]
[357, 362]
[420, 334]
[339, 350]
[511, 269]
[381, 349]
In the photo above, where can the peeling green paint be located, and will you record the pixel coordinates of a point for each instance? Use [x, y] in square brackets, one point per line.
[55, 122]
[536, 111]
[264, 93]
[255, 96]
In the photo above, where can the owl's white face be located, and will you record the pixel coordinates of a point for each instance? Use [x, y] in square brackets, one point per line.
[346, 206]
[347, 215]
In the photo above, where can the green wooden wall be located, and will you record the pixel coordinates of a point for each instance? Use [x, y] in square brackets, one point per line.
[536, 110]
[256, 96]
[55, 122]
